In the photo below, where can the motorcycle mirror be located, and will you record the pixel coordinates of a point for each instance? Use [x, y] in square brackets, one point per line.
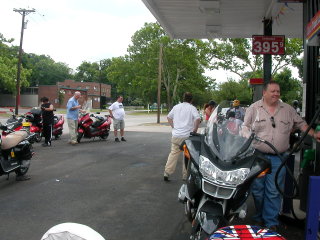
[71, 231]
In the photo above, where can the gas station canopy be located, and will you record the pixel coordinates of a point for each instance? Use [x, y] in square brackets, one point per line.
[202, 19]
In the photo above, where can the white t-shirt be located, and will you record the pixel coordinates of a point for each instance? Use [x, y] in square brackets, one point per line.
[183, 115]
[117, 110]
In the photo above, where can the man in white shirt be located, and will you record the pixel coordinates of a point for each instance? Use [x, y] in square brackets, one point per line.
[117, 113]
[183, 118]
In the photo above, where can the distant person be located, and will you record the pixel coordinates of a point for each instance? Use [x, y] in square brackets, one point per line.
[208, 109]
[47, 121]
[73, 107]
[239, 111]
[233, 124]
[183, 118]
[295, 105]
[117, 113]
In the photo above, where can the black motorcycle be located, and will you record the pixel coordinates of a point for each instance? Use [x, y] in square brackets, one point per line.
[221, 165]
[16, 151]
[12, 123]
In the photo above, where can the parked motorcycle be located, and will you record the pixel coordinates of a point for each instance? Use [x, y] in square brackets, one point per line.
[220, 166]
[58, 122]
[89, 128]
[16, 151]
[12, 123]
[34, 117]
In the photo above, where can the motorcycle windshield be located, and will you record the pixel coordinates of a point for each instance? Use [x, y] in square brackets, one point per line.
[225, 136]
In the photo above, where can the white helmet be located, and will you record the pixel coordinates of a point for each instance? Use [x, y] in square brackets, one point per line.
[71, 231]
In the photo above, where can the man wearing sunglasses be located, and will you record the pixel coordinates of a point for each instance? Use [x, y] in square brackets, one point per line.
[272, 120]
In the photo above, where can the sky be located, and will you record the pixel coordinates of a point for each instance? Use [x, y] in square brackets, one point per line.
[73, 31]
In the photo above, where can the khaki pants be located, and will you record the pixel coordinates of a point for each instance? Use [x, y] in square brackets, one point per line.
[174, 157]
[73, 129]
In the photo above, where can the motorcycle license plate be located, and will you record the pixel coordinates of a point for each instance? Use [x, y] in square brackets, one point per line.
[12, 154]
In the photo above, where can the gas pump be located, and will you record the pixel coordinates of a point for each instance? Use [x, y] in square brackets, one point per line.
[309, 166]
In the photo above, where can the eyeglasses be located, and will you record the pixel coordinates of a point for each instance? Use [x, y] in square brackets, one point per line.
[273, 122]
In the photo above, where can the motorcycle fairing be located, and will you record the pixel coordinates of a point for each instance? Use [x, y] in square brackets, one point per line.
[194, 146]
[210, 216]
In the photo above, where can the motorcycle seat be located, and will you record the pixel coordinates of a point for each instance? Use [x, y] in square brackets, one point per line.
[13, 139]
[98, 123]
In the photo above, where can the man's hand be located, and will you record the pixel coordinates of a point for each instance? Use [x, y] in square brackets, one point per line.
[316, 136]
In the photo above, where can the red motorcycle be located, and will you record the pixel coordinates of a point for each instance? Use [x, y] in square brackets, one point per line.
[34, 117]
[58, 122]
[89, 128]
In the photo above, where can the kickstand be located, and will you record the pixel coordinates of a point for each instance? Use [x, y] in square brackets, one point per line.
[8, 176]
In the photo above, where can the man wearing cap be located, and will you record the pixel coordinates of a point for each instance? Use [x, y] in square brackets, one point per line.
[239, 111]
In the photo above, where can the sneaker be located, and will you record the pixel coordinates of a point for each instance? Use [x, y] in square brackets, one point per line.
[166, 177]
[123, 139]
[116, 140]
[22, 178]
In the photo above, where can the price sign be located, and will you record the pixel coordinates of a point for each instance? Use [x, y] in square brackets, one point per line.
[273, 45]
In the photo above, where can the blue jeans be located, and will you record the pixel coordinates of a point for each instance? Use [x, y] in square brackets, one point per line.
[266, 197]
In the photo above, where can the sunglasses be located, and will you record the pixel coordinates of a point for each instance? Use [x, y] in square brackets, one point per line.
[273, 122]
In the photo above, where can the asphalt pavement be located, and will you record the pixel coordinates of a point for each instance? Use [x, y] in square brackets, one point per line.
[115, 188]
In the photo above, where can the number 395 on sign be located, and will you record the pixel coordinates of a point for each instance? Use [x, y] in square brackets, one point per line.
[274, 45]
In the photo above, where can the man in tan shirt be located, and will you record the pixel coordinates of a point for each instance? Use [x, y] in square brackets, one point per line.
[272, 120]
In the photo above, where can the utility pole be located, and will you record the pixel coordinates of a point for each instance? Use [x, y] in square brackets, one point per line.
[159, 83]
[100, 81]
[23, 12]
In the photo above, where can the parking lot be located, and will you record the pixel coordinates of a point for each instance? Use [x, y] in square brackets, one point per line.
[115, 188]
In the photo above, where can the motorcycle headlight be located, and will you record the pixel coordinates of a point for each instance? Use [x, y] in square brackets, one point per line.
[214, 174]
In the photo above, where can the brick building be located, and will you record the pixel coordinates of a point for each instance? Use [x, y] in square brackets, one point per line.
[60, 93]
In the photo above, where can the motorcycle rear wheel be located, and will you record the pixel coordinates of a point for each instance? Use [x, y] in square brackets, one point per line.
[23, 169]
[80, 135]
[38, 137]
[105, 136]
[56, 137]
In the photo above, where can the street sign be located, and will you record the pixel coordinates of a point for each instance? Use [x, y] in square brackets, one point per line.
[256, 81]
[273, 45]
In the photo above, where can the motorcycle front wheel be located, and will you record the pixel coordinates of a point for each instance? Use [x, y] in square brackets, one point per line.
[80, 135]
[23, 169]
[200, 235]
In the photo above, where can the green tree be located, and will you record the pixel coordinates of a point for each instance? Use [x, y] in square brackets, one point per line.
[183, 65]
[232, 90]
[45, 71]
[234, 55]
[291, 88]
[8, 67]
